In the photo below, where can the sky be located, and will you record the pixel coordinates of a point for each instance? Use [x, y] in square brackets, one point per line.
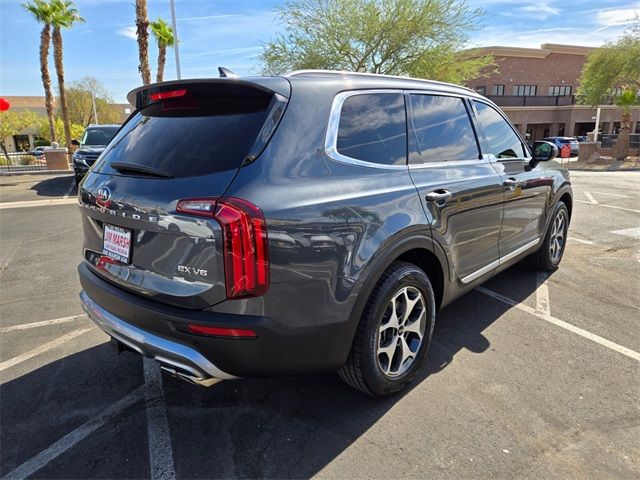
[231, 33]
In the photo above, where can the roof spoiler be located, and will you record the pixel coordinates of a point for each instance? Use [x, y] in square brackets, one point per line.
[270, 85]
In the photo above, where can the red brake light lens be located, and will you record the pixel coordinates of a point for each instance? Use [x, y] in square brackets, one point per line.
[154, 97]
[244, 230]
[221, 331]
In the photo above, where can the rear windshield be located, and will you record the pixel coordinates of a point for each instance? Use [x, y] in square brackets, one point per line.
[189, 136]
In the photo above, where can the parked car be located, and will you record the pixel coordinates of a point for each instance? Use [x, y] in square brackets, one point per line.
[260, 226]
[94, 140]
[582, 138]
[38, 152]
[561, 141]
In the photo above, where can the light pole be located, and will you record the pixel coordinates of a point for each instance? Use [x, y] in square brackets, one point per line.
[175, 37]
[93, 103]
[595, 131]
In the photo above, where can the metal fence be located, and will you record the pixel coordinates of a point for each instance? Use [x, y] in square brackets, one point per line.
[22, 162]
[609, 140]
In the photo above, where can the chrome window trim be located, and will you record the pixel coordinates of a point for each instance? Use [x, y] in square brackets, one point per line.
[501, 261]
[331, 138]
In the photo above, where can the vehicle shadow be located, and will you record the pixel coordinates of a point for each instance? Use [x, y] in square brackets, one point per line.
[271, 428]
[56, 187]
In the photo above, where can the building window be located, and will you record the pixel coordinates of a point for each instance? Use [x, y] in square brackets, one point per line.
[482, 90]
[497, 90]
[560, 90]
[524, 90]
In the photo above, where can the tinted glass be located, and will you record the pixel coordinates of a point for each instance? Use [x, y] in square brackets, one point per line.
[440, 130]
[501, 140]
[98, 136]
[373, 128]
[195, 137]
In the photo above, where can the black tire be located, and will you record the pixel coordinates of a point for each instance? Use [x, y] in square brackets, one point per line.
[544, 259]
[364, 369]
[78, 178]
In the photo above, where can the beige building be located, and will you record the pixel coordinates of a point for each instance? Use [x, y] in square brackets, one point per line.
[536, 88]
[24, 140]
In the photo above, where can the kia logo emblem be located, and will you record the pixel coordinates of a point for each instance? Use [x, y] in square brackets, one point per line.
[104, 196]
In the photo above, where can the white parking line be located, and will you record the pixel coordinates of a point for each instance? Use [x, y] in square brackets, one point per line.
[38, 203]
[567, 326]
[35, 463]
[579, 240]
[590, 197]
[628, 232]
[160, 450]
[611, 194]
[10, 257]
[42, 348]
[543, 307]
[608, 206]
[43, 323]
[70, 189]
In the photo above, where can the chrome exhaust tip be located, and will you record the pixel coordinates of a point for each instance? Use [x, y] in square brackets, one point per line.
[203, 382]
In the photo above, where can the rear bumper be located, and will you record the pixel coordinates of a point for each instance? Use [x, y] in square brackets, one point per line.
[177, 359]
[158, 330]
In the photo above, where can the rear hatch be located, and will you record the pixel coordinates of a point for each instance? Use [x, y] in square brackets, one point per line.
[186, 140]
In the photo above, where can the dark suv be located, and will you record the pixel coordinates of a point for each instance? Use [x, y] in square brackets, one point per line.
[94, 141]
[240, 227]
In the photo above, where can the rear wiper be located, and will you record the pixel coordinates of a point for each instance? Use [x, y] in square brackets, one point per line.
[124, 167]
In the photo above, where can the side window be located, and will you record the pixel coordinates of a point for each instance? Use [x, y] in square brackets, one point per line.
[501, 140]
[440, 130]
[373, 128]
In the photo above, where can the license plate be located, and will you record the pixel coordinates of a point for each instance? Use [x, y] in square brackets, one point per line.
[116, 243]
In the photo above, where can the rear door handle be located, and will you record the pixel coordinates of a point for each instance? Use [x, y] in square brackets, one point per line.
[439, 196]
[512, 183]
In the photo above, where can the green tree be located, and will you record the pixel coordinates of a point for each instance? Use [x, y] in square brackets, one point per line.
[163, 34]
[615, 66]
[80, 105]
[75, 130]
[43, 12]
[142, 32]
[419, 38]
[65, 15]
[12, 123]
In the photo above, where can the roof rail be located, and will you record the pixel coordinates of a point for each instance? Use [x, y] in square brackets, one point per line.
[297, 73]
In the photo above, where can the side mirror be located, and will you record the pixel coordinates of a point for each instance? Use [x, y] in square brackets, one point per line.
[543, 152]
[75, 143]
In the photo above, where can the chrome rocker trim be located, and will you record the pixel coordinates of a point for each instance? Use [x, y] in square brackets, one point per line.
[175, 358]
[501, 261]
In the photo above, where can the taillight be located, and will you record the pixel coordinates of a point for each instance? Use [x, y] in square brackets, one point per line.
[154, 97]
[244, 231]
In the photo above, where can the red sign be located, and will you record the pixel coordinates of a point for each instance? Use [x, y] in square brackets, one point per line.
[4, 104]
[565, 151]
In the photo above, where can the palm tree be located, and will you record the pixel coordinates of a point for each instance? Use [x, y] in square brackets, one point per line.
[163, 34]
[65, 14]
[42, 11]
[142, 25]
[626, 100]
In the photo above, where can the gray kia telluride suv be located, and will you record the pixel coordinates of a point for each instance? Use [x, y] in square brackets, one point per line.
[259, 226]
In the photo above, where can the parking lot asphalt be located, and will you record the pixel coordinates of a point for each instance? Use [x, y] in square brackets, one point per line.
[527, 376]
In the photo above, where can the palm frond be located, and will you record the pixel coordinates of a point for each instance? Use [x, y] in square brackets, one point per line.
[162, 32]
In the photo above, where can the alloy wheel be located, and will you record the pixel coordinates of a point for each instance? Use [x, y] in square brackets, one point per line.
[401, 331]
[557, 238]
